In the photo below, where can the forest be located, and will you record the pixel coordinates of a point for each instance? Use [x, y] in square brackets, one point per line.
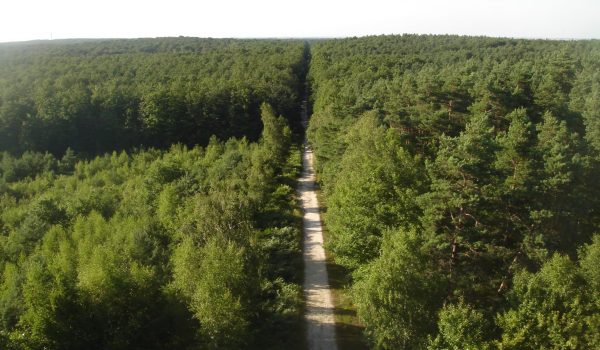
[100, 96]
[461, 184]
[147, 191]
[147, 195]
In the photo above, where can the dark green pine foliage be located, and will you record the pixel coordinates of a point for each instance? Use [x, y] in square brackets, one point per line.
[459, 211]
[97, 96]
[501, 141]
[558, 193]
[460, 177]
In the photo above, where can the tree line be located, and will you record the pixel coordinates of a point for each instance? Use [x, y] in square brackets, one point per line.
[106, 95]
[188, 248]
[147, 195]
[460, 177]
[146, 190]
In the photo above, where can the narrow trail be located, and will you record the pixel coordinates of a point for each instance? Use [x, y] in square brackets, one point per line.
[319, 306]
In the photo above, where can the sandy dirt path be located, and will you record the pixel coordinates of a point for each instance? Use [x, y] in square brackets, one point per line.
[319, 306]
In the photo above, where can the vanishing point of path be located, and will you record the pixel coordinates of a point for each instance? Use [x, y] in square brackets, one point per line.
[319, 306]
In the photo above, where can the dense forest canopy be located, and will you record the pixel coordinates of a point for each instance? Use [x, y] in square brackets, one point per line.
[469, 195]
[193, 243]
[147, 202]
[103, 95]
[183, 248]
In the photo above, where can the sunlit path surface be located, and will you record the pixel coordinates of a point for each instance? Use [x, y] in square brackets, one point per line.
[319, 306]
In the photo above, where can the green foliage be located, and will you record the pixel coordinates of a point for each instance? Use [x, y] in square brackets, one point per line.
[153, 249]
[460, 176]
[461, 327]
[489, 146]
[11, 296]
[215, 279]
[219, 301]
[376, 193]
[397, 294]
[555, 308]
[276, 136]
[589, 258]
[514, 158]
[29, 165]
[98, 96]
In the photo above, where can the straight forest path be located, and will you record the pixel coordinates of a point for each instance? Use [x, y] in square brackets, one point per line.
[319, 306]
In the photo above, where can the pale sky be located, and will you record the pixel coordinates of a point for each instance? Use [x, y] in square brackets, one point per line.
[41, 19]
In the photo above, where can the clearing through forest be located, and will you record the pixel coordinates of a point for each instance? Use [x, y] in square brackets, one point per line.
[319, 305]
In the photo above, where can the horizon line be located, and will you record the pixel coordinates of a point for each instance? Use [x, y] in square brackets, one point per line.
[325, 37]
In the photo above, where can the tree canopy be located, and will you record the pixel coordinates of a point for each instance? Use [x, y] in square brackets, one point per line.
[460, 180]
[146, 194]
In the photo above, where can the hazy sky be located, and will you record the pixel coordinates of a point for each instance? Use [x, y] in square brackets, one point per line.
[39, 19]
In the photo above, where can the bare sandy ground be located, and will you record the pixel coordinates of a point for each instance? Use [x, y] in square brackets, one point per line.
[319, 306]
